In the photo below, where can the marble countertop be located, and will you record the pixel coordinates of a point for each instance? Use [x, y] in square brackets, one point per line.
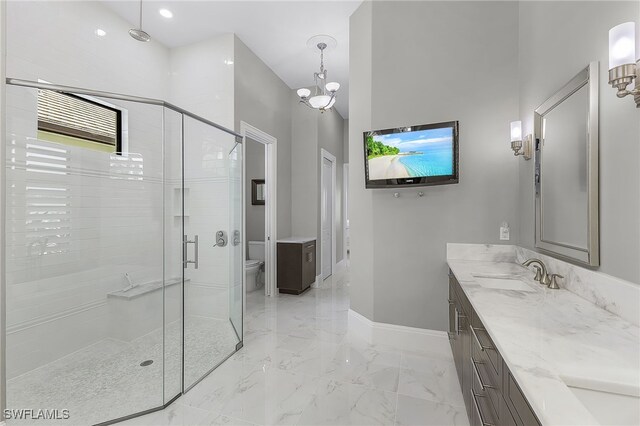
[296, 240]
[552, 337]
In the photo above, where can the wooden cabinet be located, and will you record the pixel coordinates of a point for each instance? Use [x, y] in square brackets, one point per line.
[296, 266]
[459, 337]
[491, 394]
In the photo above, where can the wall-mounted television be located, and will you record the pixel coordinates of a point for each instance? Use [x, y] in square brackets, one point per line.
[412, 156]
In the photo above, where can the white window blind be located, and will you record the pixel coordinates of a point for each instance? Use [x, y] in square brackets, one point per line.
[73, 116]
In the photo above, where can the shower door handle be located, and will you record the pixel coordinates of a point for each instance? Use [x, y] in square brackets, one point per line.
[185, 252]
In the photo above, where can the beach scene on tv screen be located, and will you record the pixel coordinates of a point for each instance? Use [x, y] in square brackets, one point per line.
[411, 154]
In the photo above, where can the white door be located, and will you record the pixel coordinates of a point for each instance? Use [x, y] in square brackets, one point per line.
[327, 218]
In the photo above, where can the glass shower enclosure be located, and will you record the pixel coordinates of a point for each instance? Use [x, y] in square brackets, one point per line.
[123, 258]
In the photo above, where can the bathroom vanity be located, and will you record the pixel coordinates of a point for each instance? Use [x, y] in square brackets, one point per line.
[490, 393]
[529, 355]
[296, 264]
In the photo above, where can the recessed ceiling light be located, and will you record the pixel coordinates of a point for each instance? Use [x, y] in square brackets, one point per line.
[100, 32]
[228, 62]
[166, 13]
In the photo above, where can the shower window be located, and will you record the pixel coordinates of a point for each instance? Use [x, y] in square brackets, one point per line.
[79, 121]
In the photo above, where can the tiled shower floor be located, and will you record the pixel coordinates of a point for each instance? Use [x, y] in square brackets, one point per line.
[105, 381]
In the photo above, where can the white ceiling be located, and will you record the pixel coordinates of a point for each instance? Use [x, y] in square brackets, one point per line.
[276, 31]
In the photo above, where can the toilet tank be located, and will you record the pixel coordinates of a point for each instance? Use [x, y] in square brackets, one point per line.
[256, 250]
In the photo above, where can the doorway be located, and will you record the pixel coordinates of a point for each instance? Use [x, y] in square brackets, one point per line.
[327, 214]
[264, 193]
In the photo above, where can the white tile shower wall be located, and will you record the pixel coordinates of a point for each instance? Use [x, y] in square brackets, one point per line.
[173, 234]
[201, 79]
[78, 220]
[32, 347]
[617, 296]
[206, 177]
[132, 318]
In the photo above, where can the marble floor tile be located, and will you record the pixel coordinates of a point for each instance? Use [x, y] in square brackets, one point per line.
[339, 403]
[421, 412]
[174, 415]
[217, 419]
[438, 382]
[420, 360]
[270, 397]
[365, 366]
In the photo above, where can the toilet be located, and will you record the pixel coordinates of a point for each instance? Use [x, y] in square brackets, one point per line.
[253, 265]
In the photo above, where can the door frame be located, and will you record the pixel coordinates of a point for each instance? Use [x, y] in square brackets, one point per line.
[270, 205]
[345, 210]
[324, 154]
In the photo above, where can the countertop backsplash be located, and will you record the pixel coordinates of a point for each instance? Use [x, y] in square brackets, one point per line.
[615, 295]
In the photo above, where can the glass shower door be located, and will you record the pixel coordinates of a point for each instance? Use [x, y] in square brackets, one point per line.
[210, 248]
[84, 257]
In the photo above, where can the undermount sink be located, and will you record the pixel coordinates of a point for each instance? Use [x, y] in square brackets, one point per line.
[502, 282]
[609, 408]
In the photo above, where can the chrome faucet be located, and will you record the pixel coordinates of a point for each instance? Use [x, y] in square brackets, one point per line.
[542, 275]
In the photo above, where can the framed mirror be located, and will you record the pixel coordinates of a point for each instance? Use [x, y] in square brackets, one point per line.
[566, 171]
[257, 192]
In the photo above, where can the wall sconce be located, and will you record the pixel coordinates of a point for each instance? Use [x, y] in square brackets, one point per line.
[519, 146]
[624, 65]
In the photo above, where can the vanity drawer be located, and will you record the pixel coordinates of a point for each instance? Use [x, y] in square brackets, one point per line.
[517, 403]
[482, 413]
[483, 343]
[484, 382]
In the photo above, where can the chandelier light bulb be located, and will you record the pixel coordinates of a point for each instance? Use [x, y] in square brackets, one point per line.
[622, 44]
[304, 93]
[332, 86]
[320, 101]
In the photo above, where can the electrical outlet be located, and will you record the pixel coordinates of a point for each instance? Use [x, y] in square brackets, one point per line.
[504, 231]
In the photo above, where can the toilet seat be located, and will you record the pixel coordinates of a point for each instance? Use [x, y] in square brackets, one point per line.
[249, 263]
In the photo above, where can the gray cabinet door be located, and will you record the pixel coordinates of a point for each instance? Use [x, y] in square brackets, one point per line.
[455, 313]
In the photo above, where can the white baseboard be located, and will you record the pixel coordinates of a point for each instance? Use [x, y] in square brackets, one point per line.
[400, 336]
[317, 282]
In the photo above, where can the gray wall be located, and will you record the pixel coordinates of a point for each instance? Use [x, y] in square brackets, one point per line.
[254, 162]
[402, 240]
[360, 200]
[312, 131]
[304, 165]
[345, 136]
[575, 33]
[331, 139]
[264, 101]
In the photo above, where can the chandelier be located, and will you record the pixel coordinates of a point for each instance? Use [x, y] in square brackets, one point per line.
[324, 95]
